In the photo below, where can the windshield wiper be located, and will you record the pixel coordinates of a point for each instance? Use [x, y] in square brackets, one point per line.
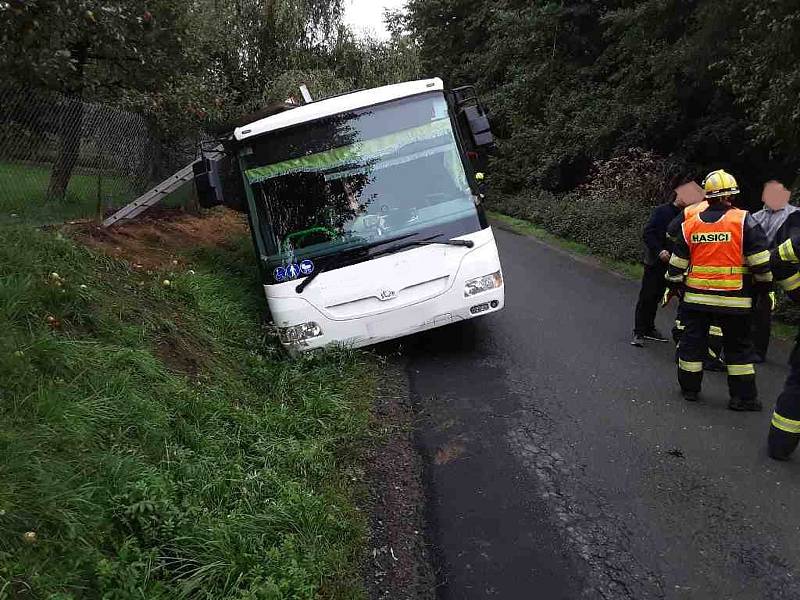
[431, 241]
[464, 243]
[408, 244]
[340, 258]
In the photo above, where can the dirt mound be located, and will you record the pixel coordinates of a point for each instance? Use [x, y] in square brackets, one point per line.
[160, 238]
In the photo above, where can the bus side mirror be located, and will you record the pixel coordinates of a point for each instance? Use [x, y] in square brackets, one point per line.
[206, 194]
[218, 181]
[478, 124]
[473, 117]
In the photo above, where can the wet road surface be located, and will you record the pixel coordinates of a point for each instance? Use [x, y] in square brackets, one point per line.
[563, 463]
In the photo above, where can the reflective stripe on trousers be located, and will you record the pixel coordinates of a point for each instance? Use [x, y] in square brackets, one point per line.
[741, 370]
[784, 431]
[690, 366]
[784, 424]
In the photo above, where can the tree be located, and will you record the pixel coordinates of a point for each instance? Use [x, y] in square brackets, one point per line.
[764, 74]
[368, 62]
[181, 63]
[88, 49]
[710, 83]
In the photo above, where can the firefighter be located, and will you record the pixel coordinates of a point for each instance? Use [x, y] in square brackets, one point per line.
[784, 431]
[713, 253]
[713, 361]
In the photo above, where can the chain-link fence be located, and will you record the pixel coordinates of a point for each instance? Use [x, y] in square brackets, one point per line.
[65, 158]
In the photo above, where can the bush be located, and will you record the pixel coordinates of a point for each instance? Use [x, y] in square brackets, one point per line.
[608, 212]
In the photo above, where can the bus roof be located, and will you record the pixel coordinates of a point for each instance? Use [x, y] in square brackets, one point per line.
[336, 105]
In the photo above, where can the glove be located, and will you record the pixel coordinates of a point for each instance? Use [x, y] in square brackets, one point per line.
[670, 294]
[764, 297]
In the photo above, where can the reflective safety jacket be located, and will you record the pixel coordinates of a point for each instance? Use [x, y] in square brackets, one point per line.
[694, 209]
[719, 252]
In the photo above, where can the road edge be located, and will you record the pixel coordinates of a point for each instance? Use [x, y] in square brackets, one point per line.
[397, 562]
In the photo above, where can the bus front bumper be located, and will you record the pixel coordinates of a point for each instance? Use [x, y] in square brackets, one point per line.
[450, 307]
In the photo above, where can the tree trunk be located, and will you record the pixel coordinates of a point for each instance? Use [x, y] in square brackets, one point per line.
[69, 133]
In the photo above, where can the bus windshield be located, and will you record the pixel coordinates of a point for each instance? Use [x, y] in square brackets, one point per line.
[356, 178]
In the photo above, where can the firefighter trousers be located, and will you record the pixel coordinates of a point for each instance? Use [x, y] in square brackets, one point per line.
[784, 432]
[714, 336]
[736, 346]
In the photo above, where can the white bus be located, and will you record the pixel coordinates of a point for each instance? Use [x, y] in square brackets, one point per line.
[366, 214]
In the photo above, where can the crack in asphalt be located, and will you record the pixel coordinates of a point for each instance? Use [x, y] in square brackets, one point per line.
[600, 538]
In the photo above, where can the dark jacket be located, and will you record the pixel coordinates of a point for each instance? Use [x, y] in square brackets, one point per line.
[655, 232]
[784, 264]
[790, 228]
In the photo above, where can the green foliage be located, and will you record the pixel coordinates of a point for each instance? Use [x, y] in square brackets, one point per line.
[703, 84]
[184, 64]
[764, 73]
[157, 444]
[366, 62]
[572, 82]
[189, 65]
[73, 45]
[605, 213]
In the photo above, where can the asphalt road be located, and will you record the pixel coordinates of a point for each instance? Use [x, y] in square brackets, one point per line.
[563, 463]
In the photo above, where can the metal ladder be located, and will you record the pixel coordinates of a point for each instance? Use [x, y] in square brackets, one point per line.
[152, 197]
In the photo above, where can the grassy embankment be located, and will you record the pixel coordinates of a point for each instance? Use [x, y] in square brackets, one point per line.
[23, 189]
[628, 269]
[154, 443]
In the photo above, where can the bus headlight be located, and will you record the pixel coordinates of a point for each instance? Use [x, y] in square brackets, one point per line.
[298, 334]
[483, 284]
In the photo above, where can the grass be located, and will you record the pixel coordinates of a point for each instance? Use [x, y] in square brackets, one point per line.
[783, 331]
[154, 443]
[630, 270]
[23, 190]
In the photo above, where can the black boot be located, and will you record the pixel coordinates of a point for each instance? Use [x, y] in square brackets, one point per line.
[745, 404]
[781, 444]
[690, 396]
